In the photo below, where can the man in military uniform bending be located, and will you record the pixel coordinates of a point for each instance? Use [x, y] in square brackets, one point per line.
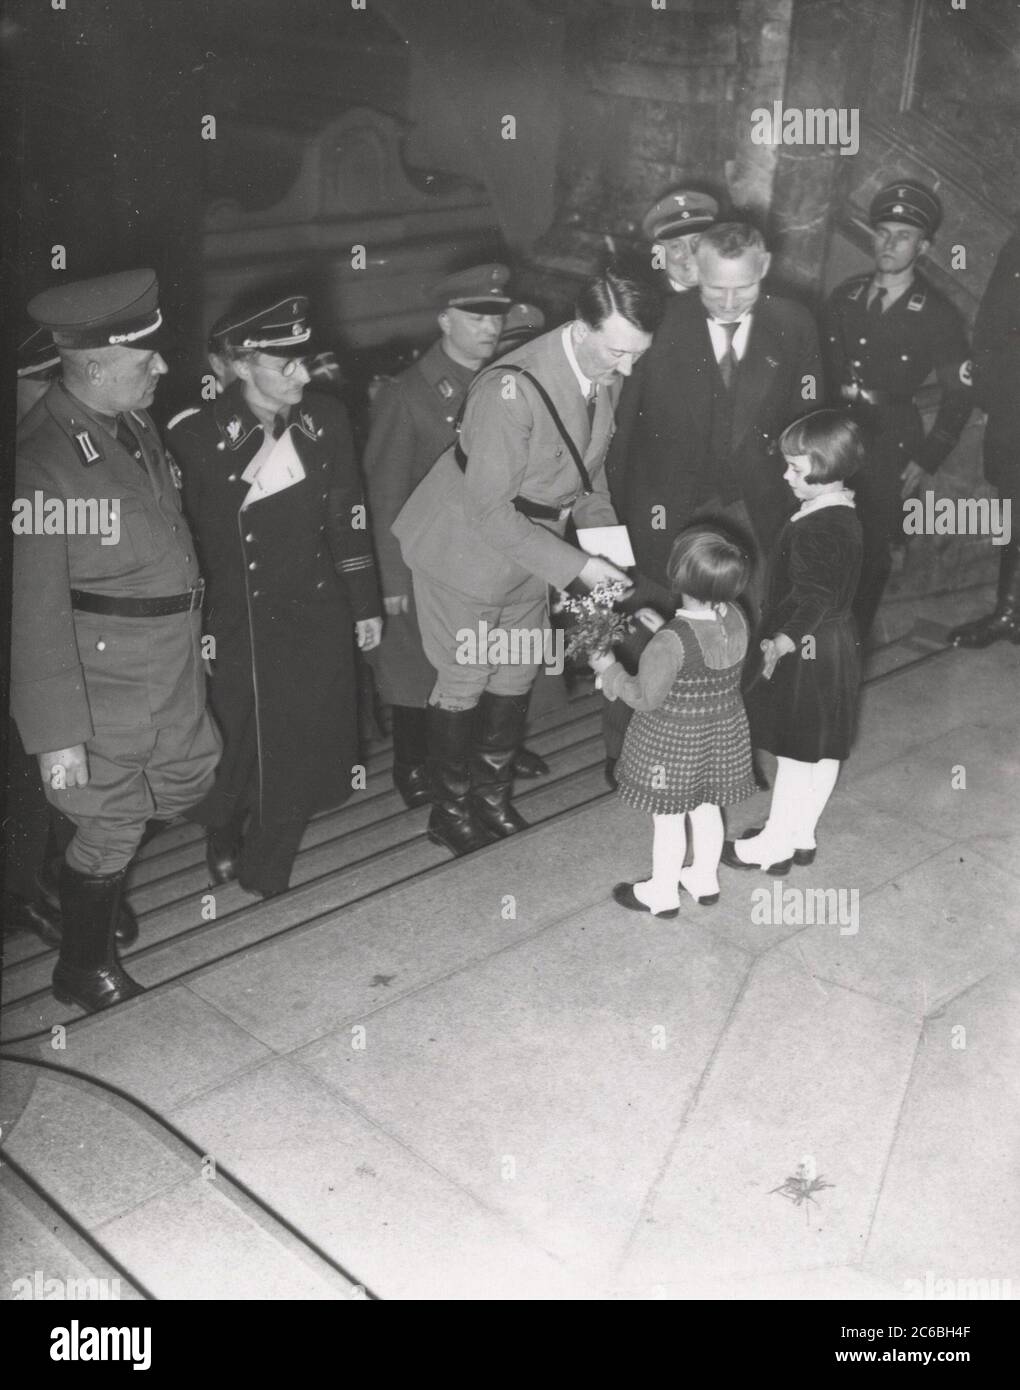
[412, 423]
[483, 536]
[883, 335]
[107, 685]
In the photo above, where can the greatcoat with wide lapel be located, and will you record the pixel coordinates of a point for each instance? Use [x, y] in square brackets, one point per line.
[287, 577]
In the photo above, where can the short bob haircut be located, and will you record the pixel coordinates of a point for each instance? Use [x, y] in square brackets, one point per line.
[831, 439]
[708, 565]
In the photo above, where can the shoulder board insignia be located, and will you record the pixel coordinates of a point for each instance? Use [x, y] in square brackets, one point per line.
[234, 428]
[87, 450]
[444, 388]
[307, 422]
[916, 300]
[182, 415]
[175, 471]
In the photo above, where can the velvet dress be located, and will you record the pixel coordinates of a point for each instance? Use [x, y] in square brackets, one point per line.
[808, 710]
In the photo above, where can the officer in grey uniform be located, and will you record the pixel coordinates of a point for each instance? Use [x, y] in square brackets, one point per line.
[107, 684]
[674, 225]
[883, 335]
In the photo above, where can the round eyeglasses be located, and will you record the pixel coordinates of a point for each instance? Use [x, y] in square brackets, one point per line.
[290, 365]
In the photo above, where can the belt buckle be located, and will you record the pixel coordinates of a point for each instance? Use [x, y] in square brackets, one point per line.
[197, 596]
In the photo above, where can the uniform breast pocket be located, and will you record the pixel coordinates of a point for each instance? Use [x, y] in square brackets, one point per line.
[116, 656]
[126, 545]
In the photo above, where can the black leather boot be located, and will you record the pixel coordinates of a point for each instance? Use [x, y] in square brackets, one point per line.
[410, 755]
[126, 931]
[497, 737]
[528, 764]
[88, 972]
[453, 822]
[1004, 622]
[223, 846]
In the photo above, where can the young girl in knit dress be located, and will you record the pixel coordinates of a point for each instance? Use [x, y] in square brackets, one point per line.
[687, 750]
[802, 693]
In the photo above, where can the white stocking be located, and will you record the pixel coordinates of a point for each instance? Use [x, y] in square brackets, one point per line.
[790, 791]
[820, 788]
[669, 845]
[702, 878]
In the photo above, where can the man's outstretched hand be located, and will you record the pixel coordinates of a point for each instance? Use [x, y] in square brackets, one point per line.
[599, 571]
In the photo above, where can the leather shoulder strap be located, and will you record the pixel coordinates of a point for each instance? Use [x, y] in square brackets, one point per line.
[554, 414]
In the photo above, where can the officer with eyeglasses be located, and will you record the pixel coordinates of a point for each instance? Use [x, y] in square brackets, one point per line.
[275, 497]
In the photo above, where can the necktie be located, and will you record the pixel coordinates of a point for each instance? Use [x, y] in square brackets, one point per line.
[877, 305]
[591, 402]
[279, 424]
[728, 361]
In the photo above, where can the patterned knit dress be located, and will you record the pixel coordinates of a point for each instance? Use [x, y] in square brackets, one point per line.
[694, 746]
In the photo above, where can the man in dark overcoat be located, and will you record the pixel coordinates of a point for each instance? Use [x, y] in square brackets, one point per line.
[273, 491]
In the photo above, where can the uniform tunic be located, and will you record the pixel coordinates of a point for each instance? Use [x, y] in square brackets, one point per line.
[894, 353]
[808, 710]
[131, 689]
[474, 555]
[412, 423]
[687, 743]
[288, 575]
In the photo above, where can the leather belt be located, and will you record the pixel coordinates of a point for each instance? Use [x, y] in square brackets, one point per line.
[110, 606]
[854, 391]
[540, 511]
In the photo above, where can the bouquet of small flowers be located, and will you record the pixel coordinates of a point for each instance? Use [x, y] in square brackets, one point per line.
[593, 622]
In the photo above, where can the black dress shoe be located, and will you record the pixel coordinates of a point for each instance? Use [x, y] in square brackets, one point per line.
[33, 915]
[800, 856]
[528, 764]
[413, 785]
[778, 870]
[222, 853]
[623, 893]
[708, 900]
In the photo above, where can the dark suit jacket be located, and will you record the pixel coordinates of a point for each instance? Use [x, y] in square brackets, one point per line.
[660, 456]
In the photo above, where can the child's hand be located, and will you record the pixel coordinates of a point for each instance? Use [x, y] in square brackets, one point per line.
[648, 618]
[774, 648]
[601, 662]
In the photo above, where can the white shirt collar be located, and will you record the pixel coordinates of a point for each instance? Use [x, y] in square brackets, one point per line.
[702, 613]
[824, 499]
[568, 348]
[718, 335]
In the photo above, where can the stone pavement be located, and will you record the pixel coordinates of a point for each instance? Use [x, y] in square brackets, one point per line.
[491, 1082]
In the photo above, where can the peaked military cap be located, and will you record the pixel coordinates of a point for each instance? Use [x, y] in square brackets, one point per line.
[522, 322]
[680, 213]
[110, 311]
[478, 290]
[38, 354]
[280, 328]
[908, 202]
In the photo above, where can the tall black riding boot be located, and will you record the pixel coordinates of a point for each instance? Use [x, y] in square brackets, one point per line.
[88, 972]
[453, 822]
[497, 737]
[410, 754]
[1004, 622]
[126, 933]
